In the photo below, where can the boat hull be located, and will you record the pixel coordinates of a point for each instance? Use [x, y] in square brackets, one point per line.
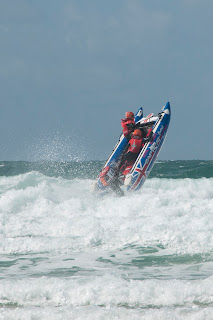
[146, 158]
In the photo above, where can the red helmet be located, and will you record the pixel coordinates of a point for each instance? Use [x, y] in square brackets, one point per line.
[129, 115]
[137, 132]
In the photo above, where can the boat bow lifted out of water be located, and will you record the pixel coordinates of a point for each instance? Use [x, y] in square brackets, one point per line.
[111, 178]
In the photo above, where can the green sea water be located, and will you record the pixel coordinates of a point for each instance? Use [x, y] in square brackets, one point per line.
[193, 169]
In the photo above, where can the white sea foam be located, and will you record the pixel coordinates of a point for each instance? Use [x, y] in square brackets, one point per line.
[107, 297]
[67, 254]
[108, 290]
[53, 214]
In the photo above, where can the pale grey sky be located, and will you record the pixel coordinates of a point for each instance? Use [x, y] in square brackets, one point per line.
[70, 69]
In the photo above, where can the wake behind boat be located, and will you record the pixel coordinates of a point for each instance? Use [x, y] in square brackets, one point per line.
[122, 176]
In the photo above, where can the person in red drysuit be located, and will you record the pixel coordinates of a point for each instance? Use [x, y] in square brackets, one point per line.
[135, 145]
[128, 124]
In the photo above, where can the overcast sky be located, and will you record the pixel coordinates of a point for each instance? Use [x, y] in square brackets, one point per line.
[70, 69]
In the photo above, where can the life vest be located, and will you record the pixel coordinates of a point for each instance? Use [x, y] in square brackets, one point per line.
[136, 143]
[127, 126]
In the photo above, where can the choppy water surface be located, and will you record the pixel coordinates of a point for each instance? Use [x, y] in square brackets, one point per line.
[66, 254]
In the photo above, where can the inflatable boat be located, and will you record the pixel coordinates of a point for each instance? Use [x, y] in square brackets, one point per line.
[112, 178]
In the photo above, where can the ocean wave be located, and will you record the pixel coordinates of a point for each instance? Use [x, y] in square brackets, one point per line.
[68, 254]
[55, 214]
[101, 297]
